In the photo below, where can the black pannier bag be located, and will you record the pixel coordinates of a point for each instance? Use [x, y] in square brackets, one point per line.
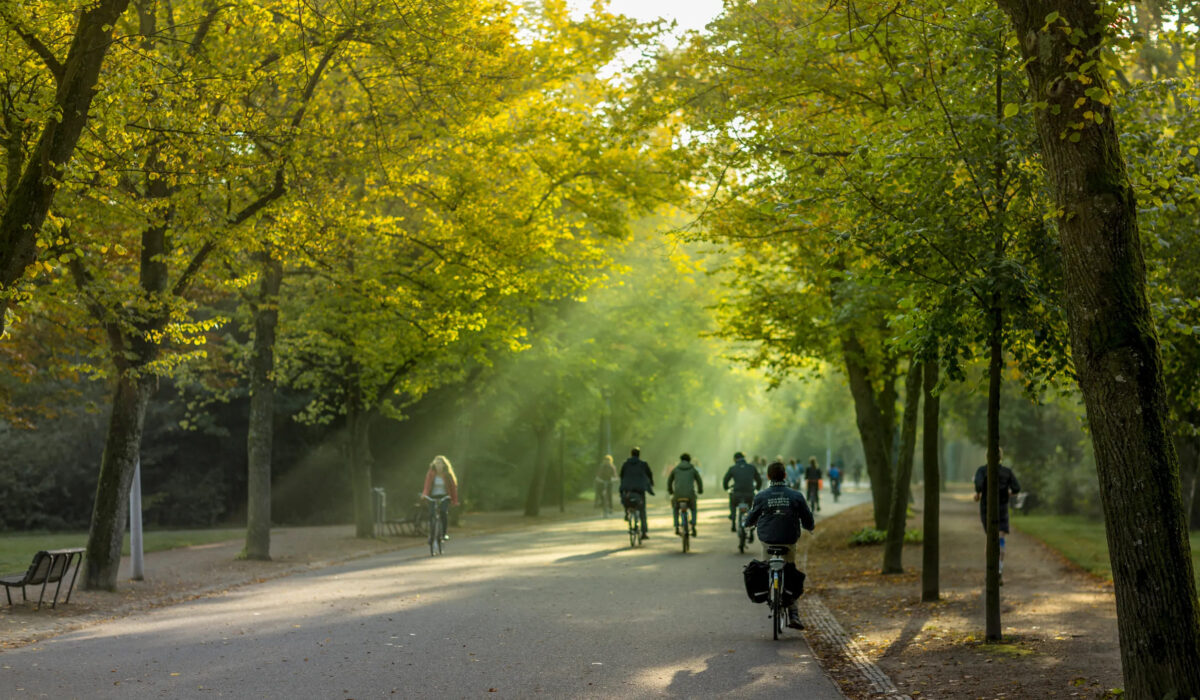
[631, 499]
[793, 584]
[758, 580]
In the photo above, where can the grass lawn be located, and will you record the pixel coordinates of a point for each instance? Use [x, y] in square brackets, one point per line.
[17, 550]
[1082, 540]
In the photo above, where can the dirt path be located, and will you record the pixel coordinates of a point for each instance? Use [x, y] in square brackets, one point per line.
[189, 572]
[1059, 623]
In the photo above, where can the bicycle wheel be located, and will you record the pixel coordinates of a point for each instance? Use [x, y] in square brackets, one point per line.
[687, 528]
[741, 530]
[776, 607]
[432, 536]
[441, 536]
[634, 532]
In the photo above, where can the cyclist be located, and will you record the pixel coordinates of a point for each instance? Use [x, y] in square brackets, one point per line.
[684, 482]
[835, 481]
[636, 477]
[746, 482]
[812, 477]
[440, 481]
[1008, 484]
[780, 512]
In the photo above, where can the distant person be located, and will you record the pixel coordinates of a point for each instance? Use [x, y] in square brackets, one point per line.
[440, 481]
[812, 478]
[606, 474]
[857, 471]
[779, 512]
[794, 472]
[1008, 485]
[636, 477]
[742, 481]
[835, 481]
[684, 482]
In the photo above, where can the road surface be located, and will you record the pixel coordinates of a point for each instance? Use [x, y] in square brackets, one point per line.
[569, 610]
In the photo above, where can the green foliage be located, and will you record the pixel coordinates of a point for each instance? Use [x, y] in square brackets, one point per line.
[871, 536]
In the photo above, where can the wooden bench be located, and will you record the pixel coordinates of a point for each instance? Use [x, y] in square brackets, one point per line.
[48, 566]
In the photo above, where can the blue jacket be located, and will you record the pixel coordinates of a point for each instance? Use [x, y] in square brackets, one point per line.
[636, 476]
[744, 476]
[780, 512]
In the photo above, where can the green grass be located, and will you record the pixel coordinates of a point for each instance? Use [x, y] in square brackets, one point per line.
[1082, 541]
[17, 550]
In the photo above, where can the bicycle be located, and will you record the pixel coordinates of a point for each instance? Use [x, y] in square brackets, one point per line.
[775, 592]
[437, 526]
[634, 517]
[683, 505]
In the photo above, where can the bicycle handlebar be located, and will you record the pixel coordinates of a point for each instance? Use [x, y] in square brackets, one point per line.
[438, 499]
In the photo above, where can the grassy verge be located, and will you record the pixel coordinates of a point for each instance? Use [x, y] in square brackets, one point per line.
[1082, 541]
[17, 550]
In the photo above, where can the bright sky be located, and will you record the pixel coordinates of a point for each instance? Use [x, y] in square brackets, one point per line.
[688, 14]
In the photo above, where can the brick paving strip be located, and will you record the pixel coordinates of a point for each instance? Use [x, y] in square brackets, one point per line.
[822, 623]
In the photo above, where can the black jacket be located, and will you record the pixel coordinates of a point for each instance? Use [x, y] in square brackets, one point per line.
[744, 476]
[636, 476]
[1008, 484]
[780, 512]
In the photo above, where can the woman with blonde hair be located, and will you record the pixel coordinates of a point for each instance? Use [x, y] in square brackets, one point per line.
[440, 481]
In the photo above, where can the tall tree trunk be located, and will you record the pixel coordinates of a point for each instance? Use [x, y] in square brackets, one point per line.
[27, 206]
[260, 436]
[537, 484]
[893, 548]
[930, 452]
[992, 552]
[122, 448]
[1116, 352]
[872, 429]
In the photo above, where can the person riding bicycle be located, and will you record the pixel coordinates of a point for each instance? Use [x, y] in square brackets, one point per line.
[684, 482]
[780, 512]
[440, 481]
[636, 477]
[746, 482]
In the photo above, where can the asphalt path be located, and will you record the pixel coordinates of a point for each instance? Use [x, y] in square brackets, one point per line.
[569, 610]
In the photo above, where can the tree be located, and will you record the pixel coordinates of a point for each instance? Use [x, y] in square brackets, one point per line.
[34, 164]
[1114, 343]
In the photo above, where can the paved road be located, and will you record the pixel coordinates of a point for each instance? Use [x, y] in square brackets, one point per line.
[568, 611]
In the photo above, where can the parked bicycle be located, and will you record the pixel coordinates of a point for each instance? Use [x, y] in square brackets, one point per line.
[683, 505]
[437, 523]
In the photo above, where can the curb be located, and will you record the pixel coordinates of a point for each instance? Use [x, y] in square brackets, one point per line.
[825, 626]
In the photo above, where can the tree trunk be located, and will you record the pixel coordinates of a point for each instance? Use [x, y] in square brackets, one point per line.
[893, 548]
[1116, 352]
[931, 449]
[872, 430]
[537, 484]
[27, 206]
[992, 551]
[260, 436]
[122, 447]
